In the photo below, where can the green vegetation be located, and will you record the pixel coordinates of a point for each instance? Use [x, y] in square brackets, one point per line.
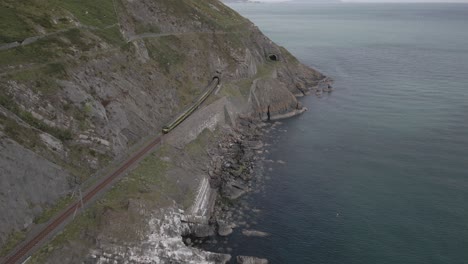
[61, 134]
[99, 13]
[78, 154]
[196, 147]
[22, 16]
[20, 20]
[111, 35]
[239, 171]
[230, 90]
[8, 103]
[43, 50]
[77, 39]
[147, 183]
[209, 12]
[48, 213]
[52, 48]
[165, 51]
[289, 57]
[91, 218]
[215, 13]
[149, 174]
[85, 222]
[12, 27]
[186, 92]
[146, 28]
[30, 139]
[12, 240]
[24, 136]
[42, 79]
[244, 85]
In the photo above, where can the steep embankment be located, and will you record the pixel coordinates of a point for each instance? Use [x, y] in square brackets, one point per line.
[83, 83]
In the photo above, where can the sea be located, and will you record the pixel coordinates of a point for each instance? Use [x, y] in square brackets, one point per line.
[377, 171]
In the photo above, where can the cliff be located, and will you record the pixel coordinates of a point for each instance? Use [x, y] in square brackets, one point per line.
[85, 83]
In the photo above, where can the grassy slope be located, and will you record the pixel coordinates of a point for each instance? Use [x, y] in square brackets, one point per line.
[148, 184]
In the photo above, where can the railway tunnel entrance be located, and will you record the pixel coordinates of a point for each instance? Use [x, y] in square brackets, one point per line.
[273, 57]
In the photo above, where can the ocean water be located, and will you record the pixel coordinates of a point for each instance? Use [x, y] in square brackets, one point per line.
[377, 171]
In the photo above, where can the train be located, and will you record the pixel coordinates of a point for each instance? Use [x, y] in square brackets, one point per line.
[190, 109]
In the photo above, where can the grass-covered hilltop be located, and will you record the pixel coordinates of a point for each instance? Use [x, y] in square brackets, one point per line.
[86, 83]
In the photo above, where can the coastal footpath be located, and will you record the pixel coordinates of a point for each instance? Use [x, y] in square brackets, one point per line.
[90, 90]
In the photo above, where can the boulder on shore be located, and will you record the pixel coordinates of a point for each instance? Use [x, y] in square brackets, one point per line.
[203, 230]
[224, 229]
[250, 260]
[254, 233]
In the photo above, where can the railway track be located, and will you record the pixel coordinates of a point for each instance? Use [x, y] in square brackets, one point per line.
[23, 250]
[192, 107]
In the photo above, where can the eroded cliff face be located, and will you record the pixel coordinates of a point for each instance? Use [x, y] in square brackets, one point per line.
[84, 82]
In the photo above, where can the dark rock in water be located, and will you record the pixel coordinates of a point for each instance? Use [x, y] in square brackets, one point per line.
[254, 145]
[328, 89]
[254, 233]
[203, 230]
[224, 229]
[249, 155]
[234, 190]
[219, 258]
[244, 122]
[250, 260]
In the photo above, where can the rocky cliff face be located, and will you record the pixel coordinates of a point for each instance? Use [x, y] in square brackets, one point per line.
[83, 82]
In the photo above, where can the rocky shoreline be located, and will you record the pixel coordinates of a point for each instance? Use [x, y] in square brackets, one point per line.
[232, 173]
[177, 235]
[235, 170]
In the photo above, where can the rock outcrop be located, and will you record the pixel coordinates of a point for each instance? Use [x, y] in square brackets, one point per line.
[251, 260]
[254, 233]
[164, 245]
[272, 100]
[34, 184]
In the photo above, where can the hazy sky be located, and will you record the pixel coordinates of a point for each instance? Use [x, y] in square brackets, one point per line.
[376, 1]
[406, 1]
